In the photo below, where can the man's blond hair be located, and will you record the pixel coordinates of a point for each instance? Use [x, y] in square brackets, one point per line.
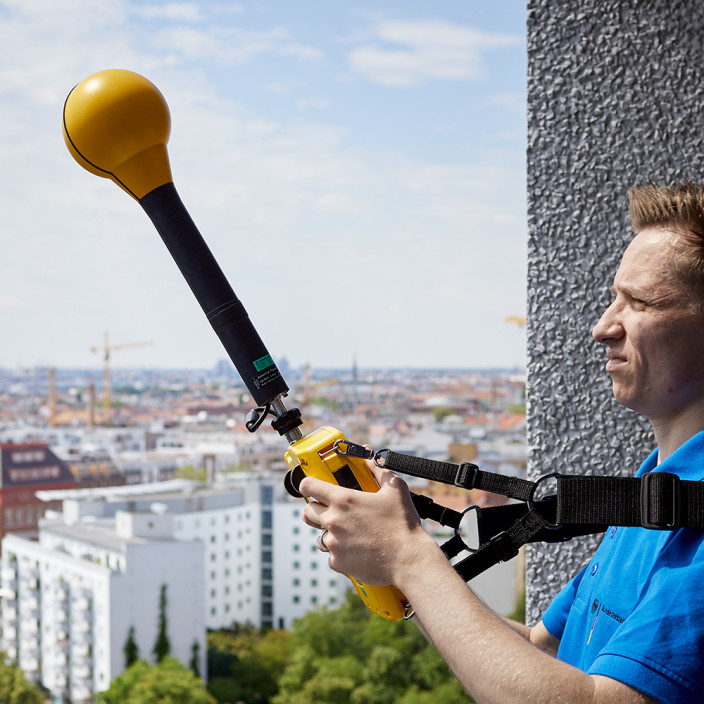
[679, 206]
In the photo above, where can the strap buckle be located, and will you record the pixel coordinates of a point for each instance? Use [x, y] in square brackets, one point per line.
[660, 501]
[466, 475]
[503, 546]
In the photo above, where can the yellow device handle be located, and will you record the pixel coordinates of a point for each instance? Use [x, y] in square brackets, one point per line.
[316, 457]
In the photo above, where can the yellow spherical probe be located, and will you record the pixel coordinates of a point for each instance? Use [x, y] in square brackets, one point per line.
[116, 124]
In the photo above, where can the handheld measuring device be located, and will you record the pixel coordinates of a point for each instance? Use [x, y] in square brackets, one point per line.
[116, 124]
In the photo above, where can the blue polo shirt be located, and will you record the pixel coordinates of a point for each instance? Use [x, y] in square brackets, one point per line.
[635, 613]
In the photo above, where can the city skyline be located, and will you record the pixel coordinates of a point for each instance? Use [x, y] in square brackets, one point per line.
[358, 173]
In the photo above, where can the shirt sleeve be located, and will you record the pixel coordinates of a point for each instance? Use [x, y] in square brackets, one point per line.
[555, 616]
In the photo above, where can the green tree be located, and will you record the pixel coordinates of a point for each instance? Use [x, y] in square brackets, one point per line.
[14, 687]
[244, 665]
[162, 646]
[130, 649]
[122, 685]
[194, 663]
[168, 682]
[348, 656]
[196, 474]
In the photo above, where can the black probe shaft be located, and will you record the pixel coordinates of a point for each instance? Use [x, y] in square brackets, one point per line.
[221, 306]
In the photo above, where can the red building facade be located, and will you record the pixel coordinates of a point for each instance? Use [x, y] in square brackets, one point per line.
[25, 469]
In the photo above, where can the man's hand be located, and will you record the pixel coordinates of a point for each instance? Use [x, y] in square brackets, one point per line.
[371, 536]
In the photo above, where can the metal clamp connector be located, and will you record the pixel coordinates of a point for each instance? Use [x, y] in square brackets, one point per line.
[345, 448]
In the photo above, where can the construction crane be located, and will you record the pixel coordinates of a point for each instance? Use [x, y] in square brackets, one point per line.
[106, 349]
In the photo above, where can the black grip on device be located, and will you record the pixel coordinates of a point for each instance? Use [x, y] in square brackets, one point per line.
[221, 306]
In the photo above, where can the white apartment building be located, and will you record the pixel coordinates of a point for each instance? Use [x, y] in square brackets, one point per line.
[227, 554]
[261, 565]
[71, 598]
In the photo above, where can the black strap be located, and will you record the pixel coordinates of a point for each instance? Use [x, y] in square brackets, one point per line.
[427, 508]
[583, 505]
[465, 475]
[501, 547]
[657, 500]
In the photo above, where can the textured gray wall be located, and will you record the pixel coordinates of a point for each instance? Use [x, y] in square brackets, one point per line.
[615, 98]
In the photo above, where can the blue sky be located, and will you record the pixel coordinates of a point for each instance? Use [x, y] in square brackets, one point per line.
[357, 169]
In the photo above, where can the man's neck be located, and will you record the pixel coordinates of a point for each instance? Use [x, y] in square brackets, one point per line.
[672, 433]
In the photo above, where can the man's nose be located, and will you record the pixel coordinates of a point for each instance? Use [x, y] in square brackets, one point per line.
[609, 326]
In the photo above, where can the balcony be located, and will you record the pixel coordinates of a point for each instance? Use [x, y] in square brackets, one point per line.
[29, 604]
[29, 579]
[29, 664]
[80, 694]
[9, 576]
[28, 644]
[9, 613]
[8, 593]
[80, 650]
[81, 672]
[29, 625]
[61, 658]
[83, 625]
[83, 637]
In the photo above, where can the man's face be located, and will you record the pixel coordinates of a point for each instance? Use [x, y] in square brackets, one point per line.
[654, 331]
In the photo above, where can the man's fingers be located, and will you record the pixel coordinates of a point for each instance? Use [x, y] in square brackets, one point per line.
[317, 489]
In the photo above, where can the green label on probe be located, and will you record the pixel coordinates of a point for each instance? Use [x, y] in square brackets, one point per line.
[263, 362]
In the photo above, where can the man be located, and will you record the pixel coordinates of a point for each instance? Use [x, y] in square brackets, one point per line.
[629, 628]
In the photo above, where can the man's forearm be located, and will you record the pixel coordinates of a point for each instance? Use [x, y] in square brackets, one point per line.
[495, 659]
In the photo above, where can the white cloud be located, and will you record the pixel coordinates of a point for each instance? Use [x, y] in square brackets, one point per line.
[173, 11]
[229, 45]
[413, 52]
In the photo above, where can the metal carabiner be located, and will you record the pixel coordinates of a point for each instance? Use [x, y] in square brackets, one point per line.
[380, 457]
[352, 449]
